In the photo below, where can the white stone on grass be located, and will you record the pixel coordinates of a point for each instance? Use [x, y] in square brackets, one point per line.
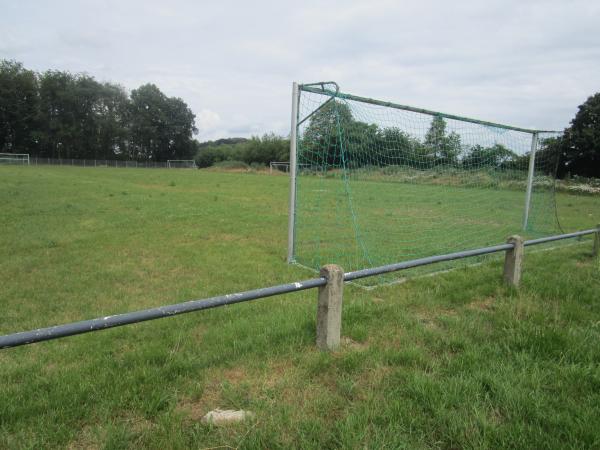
[220, 417]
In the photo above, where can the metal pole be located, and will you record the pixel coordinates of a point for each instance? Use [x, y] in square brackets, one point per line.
[102, 323]
[293, 139]
[534, 140]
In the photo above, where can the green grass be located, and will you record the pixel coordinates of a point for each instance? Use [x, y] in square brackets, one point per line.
[365, 223]
[452, 361]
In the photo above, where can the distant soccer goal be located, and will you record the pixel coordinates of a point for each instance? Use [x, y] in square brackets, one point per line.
[283, 166]
[280, 166]
[394, 182]
[181, 164]
[21, 159]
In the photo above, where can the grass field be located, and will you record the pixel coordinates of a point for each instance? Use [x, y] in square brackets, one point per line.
[365, 223]
[452, 361]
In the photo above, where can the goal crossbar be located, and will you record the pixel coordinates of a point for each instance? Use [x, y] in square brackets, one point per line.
[333, 94]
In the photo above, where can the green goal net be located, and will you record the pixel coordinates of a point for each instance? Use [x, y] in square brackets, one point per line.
[379, 183]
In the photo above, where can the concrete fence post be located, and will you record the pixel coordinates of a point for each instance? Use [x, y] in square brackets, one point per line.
[329, 310]
[596, 250]
[513, 261]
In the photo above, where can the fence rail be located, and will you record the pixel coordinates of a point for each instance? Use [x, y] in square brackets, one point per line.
[330, 294]
[38, 161]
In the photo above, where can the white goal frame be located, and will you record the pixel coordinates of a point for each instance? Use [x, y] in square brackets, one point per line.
[15, 158]
[192, 165]
[277, 164]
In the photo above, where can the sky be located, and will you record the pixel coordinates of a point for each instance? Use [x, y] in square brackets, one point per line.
[519, 62]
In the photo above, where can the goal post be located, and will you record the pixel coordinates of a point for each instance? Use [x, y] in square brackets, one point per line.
[390, 182]
[181, 164]
[293, 155]
[14, 158]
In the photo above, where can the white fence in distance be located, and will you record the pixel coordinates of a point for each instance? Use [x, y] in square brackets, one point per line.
[38, 161]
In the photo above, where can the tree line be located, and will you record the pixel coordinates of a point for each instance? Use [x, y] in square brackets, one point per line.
[333, 128]
[57, 114]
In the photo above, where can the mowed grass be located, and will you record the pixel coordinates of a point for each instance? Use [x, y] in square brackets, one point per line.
[453, 361]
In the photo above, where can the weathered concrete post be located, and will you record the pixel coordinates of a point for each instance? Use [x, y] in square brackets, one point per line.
[513, 261]
[596, 250]
[329, 310]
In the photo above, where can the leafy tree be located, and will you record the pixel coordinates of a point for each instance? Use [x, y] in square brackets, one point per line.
[256, 150]
[444, 148]
[57, 115]
[61, 115]
[400, 148]
[112, 122]
[494, 156]
[579, 148]
[18, 108]
[340, 139]
[161, 127]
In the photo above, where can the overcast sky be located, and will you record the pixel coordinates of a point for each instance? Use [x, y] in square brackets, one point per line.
[525, 63]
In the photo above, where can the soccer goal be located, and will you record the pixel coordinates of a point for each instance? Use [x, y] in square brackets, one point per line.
[14, 158]
[394, 182]
[181, 164]
[285, 167]
[280, 166]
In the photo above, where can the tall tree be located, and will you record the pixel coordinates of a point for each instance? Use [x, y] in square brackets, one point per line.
[61, 115]
[57, 115]
[580, 146]
[18, 108]
[161, 127]
[444, 148]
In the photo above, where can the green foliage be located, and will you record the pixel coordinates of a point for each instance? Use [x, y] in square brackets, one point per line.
[18, 107]
[342, 141]
[579, 148]
[57, 114]
[161, 127]
[256, 150]
[443, 148]
[494, 156]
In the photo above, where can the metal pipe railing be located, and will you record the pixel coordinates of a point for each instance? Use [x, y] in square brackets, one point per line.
[102, 323]
[86, 326]
[560, 237]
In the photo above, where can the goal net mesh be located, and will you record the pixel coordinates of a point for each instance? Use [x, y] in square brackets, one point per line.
[379, 184]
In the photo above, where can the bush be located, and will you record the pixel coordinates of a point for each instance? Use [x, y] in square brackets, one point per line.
[257, 150]
[231, 164]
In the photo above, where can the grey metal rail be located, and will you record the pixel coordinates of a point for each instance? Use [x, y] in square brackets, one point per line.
[559, 237]
[102, 323]
[86, 326]
[349, 276]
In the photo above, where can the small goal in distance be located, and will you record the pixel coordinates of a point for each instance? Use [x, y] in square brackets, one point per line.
[21, 159]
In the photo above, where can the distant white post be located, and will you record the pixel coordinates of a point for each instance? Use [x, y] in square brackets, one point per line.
[293, 138]
[534, 141]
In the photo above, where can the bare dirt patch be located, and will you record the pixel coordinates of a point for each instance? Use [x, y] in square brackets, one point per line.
[487, 304]
[349, 344]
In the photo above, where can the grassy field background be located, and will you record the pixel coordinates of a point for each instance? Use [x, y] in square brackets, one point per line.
[452, 361]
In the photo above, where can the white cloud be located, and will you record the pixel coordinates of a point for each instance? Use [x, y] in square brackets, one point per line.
[207, 121]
